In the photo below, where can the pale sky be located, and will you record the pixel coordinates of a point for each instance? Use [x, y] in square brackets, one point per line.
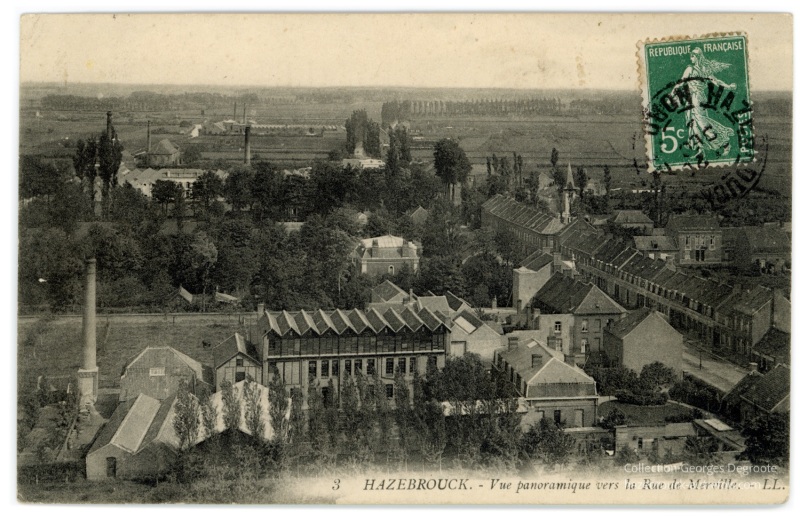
[421, 50]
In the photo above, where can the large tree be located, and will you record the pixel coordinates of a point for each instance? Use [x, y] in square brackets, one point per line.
[205, 190]
[451, 164]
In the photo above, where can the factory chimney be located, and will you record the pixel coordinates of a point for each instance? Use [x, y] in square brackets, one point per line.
[108, 125]
[247, 145]
[88, 373]
[148, 138]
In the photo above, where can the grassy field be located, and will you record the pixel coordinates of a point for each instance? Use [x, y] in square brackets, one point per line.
[58, 346]
[643, 416]
[591, 141]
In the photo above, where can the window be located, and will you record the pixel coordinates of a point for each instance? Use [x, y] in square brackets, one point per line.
[239, 377]
[389, 366]
[312, 369]
[701, 241]
[558, 327]
[711, 242]
[348, 367]
[401, 365]
[584, 325]
[584, 345]
[557, 416]
[335, 368]
[687, 254]
[412, 364]
[391, 270]
[389, 391]
[687, 244]
[370, 366]
[239, 362]
[157, 371]
[111, 467]
[324, 369]
[357, 365]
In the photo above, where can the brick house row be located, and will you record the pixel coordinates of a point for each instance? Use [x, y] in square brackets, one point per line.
[724, 316]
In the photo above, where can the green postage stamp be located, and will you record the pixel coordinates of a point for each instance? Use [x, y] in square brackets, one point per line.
[696, 100]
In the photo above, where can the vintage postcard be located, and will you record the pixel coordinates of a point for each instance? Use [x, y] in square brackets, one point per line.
[525, 258]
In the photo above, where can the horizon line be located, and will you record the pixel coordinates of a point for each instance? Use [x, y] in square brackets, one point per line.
[351, 86]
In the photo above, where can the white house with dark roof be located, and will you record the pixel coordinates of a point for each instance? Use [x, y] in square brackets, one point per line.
[386, 255]
[551, 387]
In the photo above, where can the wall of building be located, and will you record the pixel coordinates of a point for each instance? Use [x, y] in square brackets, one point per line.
[526, 283]
[570, 410]
[698, 240]
[644, 439]
[647, 343]
[143, 378]
[229, 369]
[151, 462]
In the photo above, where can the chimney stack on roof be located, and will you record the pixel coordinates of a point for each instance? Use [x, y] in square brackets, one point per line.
[513, 343]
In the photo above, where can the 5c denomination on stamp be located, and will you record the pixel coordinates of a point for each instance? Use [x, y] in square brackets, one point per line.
[696, 100]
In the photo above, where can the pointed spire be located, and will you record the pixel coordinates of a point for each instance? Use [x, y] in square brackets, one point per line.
[569, 183]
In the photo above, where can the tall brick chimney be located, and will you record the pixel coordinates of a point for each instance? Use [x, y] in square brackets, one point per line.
[108, 124]
[148, 138]
[88, 373]
[247, 145]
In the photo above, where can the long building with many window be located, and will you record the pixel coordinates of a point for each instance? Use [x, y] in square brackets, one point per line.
[320, 347]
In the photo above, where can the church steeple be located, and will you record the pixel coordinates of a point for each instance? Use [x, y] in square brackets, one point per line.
[567, 196]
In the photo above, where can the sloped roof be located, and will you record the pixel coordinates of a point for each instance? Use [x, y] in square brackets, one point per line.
[524, 215]
[387, 291]
[631, 217]
[767, 239]
[775, 343]
[387, 241]
[159, 354]
[231, 347]
[770, 390]
[537, 260]
[433, 303]
[655, 243]
[733, 397]
[554, 377]
[455, 302]
[136, 423]
[164, 147]
[564, 295]
[693, 223]
[630, 322]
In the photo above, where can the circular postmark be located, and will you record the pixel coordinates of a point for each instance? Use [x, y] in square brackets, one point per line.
[697, 122]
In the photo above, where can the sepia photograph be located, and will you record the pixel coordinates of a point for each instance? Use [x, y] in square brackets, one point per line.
[406, 258]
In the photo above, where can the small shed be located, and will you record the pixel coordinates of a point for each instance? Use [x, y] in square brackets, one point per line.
[236, 359]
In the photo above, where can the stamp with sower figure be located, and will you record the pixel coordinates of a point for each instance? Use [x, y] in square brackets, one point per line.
[696, 99]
